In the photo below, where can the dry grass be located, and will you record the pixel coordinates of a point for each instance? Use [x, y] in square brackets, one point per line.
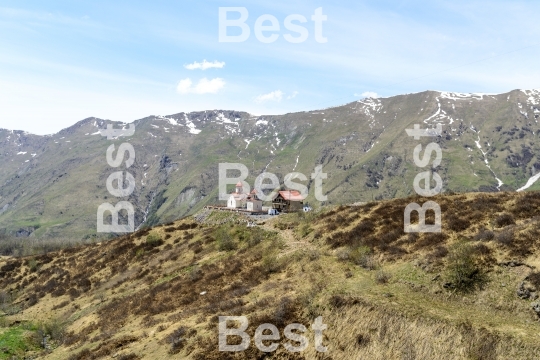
[157, 293]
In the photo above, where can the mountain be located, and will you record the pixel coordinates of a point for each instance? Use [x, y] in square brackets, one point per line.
[52, 185]
[469, 292]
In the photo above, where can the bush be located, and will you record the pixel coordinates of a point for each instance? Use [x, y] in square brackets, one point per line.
[363, 256]
[504, 220]
[458, 224]
[484, 235]
[130, 356]
[313, 254]
[382, 277]
[462, 272]
[391, 236]
[153, 240]
[33, 265]
[177, 340]
[534, 279]
[256, 236]
[224, 240]
[7, 303]
[430, 239]
[343, 254]
[53, 330]
[195, 274]
[439, 252]
[304, 230]
[482, 249]
[271, 264]
[505, 237]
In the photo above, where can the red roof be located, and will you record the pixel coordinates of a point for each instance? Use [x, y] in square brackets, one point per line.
[293, 195]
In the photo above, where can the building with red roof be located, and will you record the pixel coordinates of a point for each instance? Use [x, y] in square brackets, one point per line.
[288, 200]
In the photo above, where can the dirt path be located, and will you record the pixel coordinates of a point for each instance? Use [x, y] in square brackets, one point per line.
[292, 243]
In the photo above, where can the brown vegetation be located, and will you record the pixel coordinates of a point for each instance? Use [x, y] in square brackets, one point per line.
[172, 282]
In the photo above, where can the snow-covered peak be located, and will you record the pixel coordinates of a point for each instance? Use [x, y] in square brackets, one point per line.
[222, 119]
[533, 96]
[462, 96]
[370, 106]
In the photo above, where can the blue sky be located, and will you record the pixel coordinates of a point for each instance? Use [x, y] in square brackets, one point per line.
[62, 61]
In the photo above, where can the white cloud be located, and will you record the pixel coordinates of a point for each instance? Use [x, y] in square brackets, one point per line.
[367, 94]
[205, 65]
[272, 96]
[204, 86]
[184, 86]
[293, 95]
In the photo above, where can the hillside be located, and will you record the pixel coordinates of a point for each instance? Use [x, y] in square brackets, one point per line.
[470, 292]
[51, 186]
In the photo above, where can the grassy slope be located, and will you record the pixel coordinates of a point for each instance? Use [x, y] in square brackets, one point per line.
[136, 299]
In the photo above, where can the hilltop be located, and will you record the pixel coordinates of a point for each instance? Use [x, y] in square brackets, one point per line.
[470, 291]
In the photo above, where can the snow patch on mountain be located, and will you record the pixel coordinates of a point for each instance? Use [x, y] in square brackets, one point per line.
[370, 107]
[462, 96]
[221, 119]
[191, 126]
[533, 96]
[440, 116]
[499, 181]
[228, 124]
[530, 182]
[170, 120]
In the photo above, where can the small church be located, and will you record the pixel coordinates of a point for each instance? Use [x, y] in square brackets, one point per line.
[241, 200]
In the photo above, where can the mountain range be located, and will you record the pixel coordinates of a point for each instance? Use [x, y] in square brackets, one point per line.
[52, 185]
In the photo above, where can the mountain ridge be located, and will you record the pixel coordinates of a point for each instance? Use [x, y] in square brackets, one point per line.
[321, 109]
[362, 145]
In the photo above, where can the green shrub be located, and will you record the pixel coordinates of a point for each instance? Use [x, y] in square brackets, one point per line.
[7, 304]
[271, 264]
[51, 332]
[225, 241]
[256, 236]
[363, 256]
[304, 230]
[153, 239]
[33, 265]
[463, 274]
